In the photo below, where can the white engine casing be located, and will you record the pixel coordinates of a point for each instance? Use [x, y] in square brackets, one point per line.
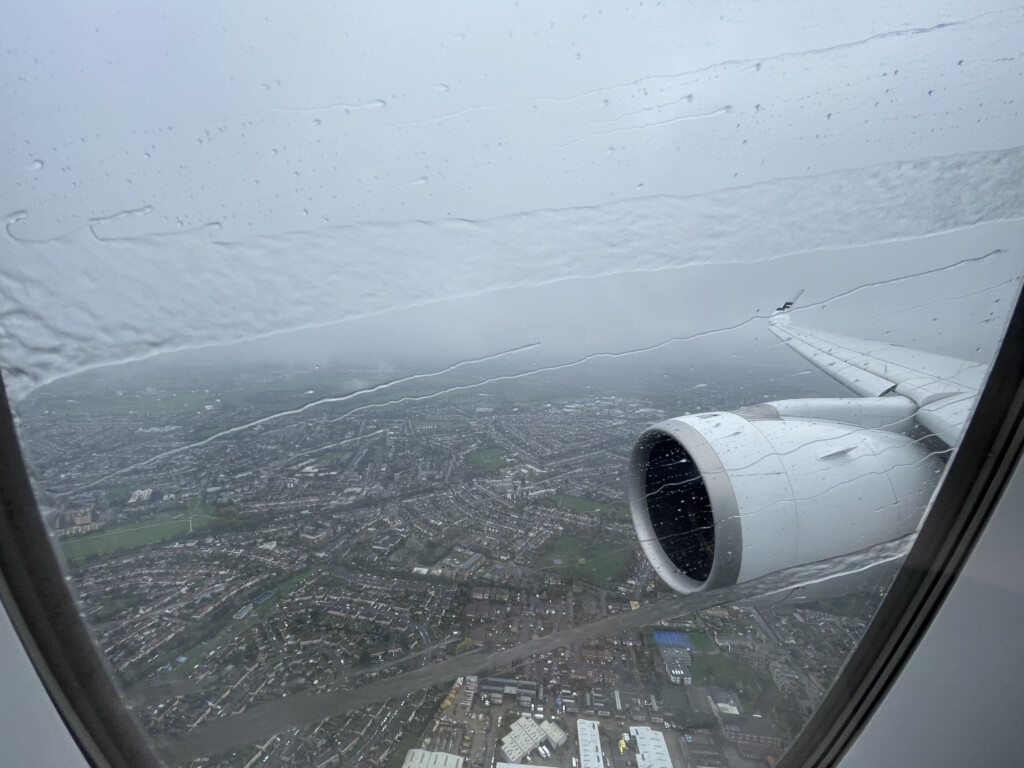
[720, 498]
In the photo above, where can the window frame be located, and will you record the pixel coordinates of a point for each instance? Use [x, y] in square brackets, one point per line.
[968, 494]
[36, 595]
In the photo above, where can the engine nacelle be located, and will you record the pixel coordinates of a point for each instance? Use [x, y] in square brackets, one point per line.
[720, 498]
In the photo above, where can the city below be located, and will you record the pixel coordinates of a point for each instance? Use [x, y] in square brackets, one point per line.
[433, 571]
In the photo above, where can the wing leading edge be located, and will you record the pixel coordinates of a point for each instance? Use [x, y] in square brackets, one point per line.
[942, 388]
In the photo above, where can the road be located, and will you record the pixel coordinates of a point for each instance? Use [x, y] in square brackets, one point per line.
[814, 691]
[256, 723]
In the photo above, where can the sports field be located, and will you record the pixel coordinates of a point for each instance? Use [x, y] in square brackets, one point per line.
[599, 562]
[192, 401]
[588, 507]
[490, 458]
[725, 671]
[132, 535]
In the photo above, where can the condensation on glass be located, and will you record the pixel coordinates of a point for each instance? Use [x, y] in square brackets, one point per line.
[330, 336]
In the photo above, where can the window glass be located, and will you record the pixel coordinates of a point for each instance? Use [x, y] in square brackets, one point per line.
[331, 332]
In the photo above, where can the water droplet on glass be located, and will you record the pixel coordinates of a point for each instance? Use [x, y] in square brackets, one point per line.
[36, 165]
[15, 217]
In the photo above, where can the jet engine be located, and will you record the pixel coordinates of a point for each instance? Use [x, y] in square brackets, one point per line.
[720, 498]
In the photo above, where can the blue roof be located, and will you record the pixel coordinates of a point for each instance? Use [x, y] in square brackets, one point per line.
[673, 639]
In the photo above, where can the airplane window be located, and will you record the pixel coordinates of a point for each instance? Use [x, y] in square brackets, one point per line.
[557, 384]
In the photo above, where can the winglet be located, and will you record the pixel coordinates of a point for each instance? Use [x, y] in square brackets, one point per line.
[788, 304]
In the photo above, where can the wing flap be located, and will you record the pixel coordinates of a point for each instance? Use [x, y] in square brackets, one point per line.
[943, 388]
[861, 382]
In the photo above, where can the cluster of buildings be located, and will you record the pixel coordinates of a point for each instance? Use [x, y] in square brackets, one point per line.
[676, 653]
[345, 550]
[528, 740]
[422, 758]
[527, 735]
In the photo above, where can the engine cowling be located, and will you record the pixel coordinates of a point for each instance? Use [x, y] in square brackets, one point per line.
[720, 498]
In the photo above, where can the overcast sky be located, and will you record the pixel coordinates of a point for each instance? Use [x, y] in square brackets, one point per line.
[587, 178]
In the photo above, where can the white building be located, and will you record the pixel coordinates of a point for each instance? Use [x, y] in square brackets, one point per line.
[421, 758]
[555, 735]
[652, 751]
[525, 736]
[588, 735]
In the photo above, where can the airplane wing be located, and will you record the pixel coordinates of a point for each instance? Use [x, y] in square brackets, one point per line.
[943, 389]
[721, 498]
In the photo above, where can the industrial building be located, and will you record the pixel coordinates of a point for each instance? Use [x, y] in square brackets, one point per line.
[555, 735]
[525, 736]
[421, 758]
[499, 688]
[652, 751]
[588, 736]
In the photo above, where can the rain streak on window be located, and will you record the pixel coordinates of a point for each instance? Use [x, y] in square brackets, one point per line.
[330, 335]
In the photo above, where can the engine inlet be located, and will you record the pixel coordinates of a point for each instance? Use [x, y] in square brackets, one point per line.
[679, 507]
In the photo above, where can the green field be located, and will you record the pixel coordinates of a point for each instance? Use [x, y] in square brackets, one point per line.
[725, 671]
[184, 403]
[588, 507]
[754, 686]
[132, 535]
[333, 456]
[285, 587]
[599, 562]
[489, 459]
[701, 642]
[229, 627]
[110, 608]
[191, 402]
